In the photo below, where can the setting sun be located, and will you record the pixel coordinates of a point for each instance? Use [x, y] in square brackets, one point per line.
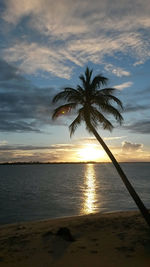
[91, 153]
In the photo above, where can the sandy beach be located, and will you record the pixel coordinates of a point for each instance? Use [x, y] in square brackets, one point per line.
[112, 239]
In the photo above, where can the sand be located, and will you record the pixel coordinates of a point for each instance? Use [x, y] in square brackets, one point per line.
[120, 239]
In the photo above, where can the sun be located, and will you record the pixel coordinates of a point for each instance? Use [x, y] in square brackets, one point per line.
[90, 152]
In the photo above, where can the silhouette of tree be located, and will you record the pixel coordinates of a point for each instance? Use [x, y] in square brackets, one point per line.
[92, 102]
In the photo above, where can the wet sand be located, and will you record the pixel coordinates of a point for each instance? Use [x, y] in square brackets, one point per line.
[120, 239]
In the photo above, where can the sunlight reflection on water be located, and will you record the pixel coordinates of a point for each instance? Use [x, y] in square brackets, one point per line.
[90, 192]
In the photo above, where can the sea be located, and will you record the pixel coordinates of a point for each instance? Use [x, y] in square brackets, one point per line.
[43, 191]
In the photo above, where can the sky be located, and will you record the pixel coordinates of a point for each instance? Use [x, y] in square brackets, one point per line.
[45, 45]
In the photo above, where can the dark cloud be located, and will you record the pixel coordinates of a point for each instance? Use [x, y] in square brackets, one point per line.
[21, 147]
[9, 72]
[127, 146]
[23, 107]
[31, 147]
[144, 92]
[142, 127]
[135, 108]
[137, 100]
[17, 126]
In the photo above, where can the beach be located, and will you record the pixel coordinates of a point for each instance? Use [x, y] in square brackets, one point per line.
[107, 240]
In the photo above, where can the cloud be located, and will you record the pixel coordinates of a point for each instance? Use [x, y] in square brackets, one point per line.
[55, 59]
[113, 138]
[2, 143]
[123, 85]
[4, 147]
[58, 17]
[119, 72]
[142, 127]
[71, 15]
[136, 101]
[135, 108]
[23, 107]
[129, 147]
[76, 32]
[9, 72]
[35, 58]
[25, 110]
[140, 62]
[84, 140]
[52, 153]
[18, 126]
[131, 152]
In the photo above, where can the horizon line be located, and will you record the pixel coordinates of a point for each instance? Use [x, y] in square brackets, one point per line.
[66, 162]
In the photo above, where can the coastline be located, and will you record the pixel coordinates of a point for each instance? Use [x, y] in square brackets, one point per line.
[100, 240]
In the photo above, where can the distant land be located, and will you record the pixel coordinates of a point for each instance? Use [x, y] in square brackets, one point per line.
[80, 162]
[37, 162]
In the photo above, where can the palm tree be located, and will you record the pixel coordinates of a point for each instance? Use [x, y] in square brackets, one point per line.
[92, 101]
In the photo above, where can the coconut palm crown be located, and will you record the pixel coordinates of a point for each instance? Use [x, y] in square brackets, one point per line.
[92, 101]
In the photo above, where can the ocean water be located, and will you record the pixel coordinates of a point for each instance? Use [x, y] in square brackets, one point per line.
[37, 192]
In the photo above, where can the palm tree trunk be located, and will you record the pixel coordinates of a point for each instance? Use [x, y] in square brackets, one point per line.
[128, 185]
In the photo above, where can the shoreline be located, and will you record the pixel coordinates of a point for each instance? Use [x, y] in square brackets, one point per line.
[68, 216]
[110, 239]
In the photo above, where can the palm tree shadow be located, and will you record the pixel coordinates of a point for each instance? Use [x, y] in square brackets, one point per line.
[58, 247]
[59, 242]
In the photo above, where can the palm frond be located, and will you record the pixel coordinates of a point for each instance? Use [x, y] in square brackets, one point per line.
[63, 95]
[115, 99]
[76, 122]
[98, 81]
[101, 99]
[99, 117]
[113, 111]
[70, 90]
[88, 75]
[60, 96]
[106, 91]
[68, 94]
[74, 95]
[80, 90]
[82, 78]
[86, 78]
[63, 110]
